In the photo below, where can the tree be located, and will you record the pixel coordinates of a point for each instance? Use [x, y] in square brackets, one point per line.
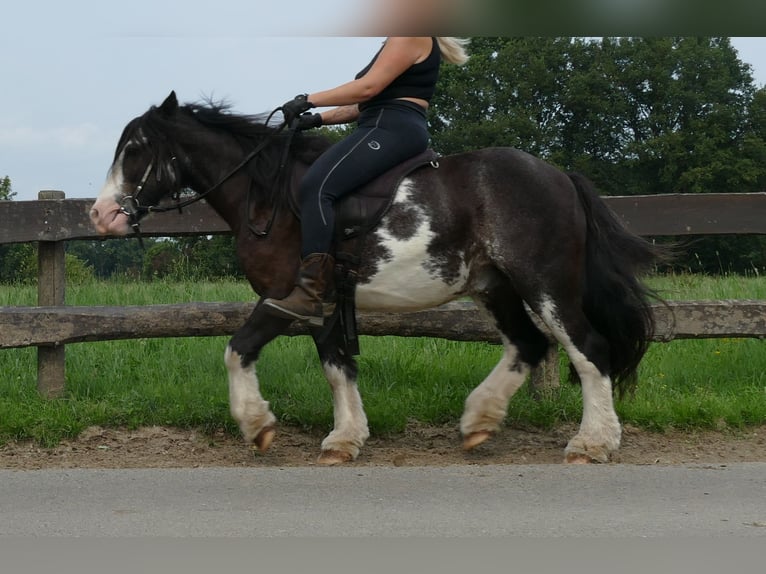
[688, 101]
[161, 260]
[507, 94]
[11, 256]
[209, 257]
[754, 138]
[111, 257]
[5, 189]
[18, 263]
[636, 115]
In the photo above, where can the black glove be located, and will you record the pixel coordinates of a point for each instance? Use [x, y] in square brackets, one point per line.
[308, 121]
[295, 107]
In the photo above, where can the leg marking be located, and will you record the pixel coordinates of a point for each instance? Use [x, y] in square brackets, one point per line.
[247, 406]
[600, 430]
[487, 405]
[350, 421]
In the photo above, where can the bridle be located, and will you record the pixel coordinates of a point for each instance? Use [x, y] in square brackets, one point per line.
[132, 208]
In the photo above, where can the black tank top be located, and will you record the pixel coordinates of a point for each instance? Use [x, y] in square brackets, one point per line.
[417, 81]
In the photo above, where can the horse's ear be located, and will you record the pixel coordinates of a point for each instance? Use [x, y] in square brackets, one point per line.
[170, 104]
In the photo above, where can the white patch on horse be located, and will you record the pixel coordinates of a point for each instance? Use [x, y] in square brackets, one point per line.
[114, 187]
[247, 406]
[115, 181]
[403, 282]
[600, 426]
[350, 428]
[105, 212]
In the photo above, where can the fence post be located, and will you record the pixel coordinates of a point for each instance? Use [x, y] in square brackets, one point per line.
[545, 377]
[51, 279]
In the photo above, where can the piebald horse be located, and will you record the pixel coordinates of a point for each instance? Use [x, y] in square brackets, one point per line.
[534, 247]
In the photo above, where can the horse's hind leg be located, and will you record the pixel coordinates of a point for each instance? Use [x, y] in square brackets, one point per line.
[600, 432]
[247, 406]
[350, 430]
[524, 346]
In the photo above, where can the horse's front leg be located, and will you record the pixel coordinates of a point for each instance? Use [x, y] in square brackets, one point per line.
[350, 430]
[247, 406]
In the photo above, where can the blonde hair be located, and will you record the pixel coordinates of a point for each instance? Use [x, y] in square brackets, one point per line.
[453, 49]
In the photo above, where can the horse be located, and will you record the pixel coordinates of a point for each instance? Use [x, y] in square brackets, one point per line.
[534, 247]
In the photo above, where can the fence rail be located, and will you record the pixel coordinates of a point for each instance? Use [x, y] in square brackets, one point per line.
[53, 220]
[457, 321]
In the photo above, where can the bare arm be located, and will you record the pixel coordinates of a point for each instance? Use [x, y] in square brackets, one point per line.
[340, 115]
[397, 55]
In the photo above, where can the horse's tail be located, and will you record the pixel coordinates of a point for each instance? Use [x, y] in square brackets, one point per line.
[616, 302]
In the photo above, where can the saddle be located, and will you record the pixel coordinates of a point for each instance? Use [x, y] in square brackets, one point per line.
[356, 215]
[360, 212]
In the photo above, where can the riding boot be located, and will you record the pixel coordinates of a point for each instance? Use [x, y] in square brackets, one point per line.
[305, 303]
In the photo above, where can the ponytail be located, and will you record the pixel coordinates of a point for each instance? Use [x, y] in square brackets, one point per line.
[453, 49]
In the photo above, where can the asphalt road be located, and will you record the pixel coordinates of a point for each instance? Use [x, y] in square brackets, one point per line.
[612, 501]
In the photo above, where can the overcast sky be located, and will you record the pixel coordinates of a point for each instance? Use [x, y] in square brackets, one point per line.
[72, 74]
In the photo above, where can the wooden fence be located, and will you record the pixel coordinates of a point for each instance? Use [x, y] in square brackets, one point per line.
[53, 220]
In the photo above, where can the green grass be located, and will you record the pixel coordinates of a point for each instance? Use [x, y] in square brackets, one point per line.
[689, 287]
[181, 382]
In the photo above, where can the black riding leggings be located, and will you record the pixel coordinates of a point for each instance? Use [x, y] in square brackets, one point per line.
[385, 136]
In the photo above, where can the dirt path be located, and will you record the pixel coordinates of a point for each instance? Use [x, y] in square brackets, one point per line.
[159, 447]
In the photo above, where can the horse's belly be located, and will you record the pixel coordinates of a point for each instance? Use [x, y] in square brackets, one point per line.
[408, 281]
[406, 292]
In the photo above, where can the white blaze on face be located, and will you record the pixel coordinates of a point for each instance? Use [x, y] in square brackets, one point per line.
[404, 281]
[105, 213]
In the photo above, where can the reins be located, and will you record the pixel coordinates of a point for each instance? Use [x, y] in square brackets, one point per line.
[130, 206]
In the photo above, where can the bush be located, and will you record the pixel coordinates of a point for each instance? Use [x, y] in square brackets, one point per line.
[77, 270]
[18, 263]
[162, 260]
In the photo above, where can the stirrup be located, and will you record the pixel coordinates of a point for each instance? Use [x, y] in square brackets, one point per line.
[272, 307]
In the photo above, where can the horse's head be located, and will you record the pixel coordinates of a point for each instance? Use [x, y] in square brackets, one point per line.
[199, 148]
[143, 171]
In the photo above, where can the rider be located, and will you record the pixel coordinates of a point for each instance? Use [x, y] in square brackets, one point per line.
[388, 99]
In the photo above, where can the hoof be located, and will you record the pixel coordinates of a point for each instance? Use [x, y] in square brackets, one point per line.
[334, 457]
[474, 439]
[579, 458]
[264, 438]
[586, 456]
[578, 451]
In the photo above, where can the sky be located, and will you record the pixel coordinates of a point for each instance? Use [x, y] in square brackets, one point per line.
[73, 74]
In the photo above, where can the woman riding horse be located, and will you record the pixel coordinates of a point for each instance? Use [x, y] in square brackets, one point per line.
[388, 99]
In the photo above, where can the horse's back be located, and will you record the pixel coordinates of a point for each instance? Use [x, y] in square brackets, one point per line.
[506, 167]
[503, 189]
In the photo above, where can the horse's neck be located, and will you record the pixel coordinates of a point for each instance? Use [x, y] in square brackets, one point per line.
[209, 164]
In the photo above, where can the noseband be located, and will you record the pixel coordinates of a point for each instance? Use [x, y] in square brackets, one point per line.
[130, 206]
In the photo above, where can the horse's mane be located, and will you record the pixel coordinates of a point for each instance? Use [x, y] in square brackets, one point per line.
[247, 130]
